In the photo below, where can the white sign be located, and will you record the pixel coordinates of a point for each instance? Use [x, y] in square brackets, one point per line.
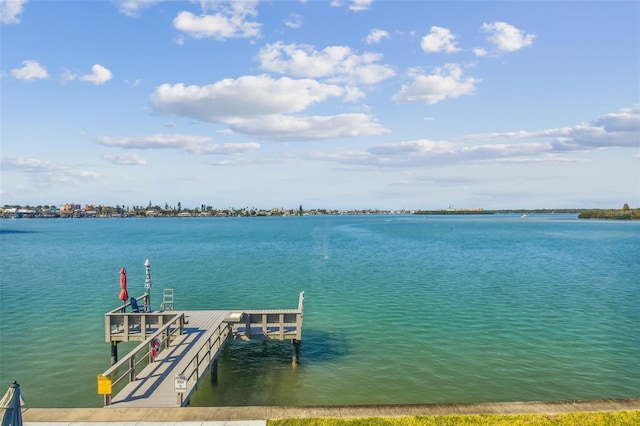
[180, 383]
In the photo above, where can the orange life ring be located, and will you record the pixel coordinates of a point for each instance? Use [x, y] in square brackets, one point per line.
[155, 347]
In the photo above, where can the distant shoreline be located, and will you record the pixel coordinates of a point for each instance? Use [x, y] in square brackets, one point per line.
[37, 213]
[607, 214]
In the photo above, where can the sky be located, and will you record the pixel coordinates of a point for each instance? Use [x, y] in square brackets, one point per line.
[346, 104]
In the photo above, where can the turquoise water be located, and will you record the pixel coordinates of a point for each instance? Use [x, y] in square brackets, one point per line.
[398, 309]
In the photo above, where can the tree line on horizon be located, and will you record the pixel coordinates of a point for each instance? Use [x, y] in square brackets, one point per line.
[625, 213]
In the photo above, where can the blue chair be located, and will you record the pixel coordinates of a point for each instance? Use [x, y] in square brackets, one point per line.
[135, 308]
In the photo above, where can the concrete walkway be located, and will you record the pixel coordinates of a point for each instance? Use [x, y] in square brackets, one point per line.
[213, 423]
[256, 416]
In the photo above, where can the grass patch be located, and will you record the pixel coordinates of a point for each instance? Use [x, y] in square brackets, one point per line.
[614, 418]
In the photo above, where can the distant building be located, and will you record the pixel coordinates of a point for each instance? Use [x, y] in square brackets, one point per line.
[70, 207]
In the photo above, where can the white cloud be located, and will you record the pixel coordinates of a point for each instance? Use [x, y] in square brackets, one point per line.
[376, 35]
[10, 11]
[99, 75]
[506, 37]
[409, 147]
[519, 134]
[293, 21]
[336, 63]
[188, 143]
[445, 83]
[354, 5]
[427, 151]
[627, 120]
[157, 141]
[423, 152]
[47, 172]
[439, 40]
[67, 75]
[133, 7]
[261, 106]
[301, 128]
[360, 5]
[352, 94]
[30, 71]
[226, 148]
[131, 159]
[247, 96]
[28, 164]
[230, 21]
[216, 26]
[620, 129]
[479, 51]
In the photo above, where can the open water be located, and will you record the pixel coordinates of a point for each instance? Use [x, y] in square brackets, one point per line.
[398, 309]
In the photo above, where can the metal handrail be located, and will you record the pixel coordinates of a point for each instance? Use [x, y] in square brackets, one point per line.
[118, 322]
[122, 308]
[130, 360]
[261, 322]
[212, 345]
[223, 332]
[208, 350]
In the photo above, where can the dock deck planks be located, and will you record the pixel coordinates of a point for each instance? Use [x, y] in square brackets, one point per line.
[154, 385]
[192, 341]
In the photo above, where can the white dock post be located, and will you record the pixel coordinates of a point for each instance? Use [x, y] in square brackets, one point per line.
[147, 286]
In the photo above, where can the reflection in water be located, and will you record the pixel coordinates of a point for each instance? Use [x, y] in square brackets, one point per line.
[260, 372]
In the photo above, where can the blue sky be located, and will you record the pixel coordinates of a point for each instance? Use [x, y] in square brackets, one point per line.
[342, 104]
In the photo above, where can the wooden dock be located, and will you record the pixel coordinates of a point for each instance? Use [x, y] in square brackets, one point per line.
[177, 348]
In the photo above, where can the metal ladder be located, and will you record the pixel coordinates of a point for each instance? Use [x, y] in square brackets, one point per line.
[167, 300]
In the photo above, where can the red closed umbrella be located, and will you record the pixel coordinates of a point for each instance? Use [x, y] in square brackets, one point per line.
[124, 296]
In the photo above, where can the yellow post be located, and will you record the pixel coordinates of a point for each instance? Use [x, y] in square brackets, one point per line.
[104, 385]
[104, 388]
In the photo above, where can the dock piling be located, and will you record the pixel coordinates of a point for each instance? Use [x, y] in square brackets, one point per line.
[214, 371]
[194, 352]
[295, 349]
[114, 352]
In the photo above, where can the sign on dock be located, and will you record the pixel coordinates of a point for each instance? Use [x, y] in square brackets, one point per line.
[180, 383]
[104, 385]
[185, 354]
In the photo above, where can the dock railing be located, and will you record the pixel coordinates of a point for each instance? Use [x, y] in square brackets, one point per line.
[280, 324]
[270, 324]
[144, 299]
[202, 361]
[123, 326]
[128, 367]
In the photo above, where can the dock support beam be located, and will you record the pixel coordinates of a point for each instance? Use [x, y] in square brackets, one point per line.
[214, 372]
[114, 352]
[295, 349]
